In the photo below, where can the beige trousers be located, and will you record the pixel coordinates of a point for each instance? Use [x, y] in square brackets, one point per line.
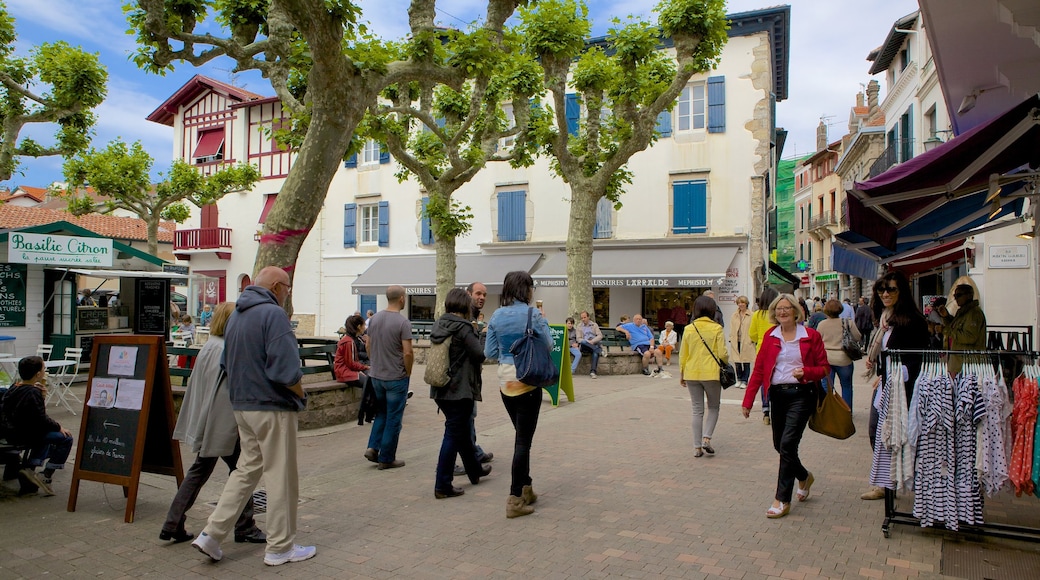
[268, 449]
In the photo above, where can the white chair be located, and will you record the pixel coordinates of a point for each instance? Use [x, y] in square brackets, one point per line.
[44, 351]
[201, 335]
[64, 378]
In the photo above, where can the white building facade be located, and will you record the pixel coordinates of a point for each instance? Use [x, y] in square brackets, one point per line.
[692, 219]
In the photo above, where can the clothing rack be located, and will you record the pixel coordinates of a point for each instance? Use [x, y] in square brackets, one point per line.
[892, 516]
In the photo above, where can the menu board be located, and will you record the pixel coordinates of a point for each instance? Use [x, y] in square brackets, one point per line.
[152, 306]
[91, 318]
[12, 294]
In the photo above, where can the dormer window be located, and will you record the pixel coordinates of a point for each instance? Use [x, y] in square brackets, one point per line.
[210, 146]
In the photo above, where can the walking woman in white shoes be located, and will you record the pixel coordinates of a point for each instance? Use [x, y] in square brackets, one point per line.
[790, 363]
[702, 344]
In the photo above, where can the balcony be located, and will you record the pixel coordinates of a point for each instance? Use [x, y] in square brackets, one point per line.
[202, 241]
[897, 151]
[823, 220]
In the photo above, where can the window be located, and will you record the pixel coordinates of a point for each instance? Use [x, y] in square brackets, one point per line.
[421, 307]
[512, 216]
[906, 135]
[507, 142]
[604, 212]
[210, 146]
[904, 57]
[690, 109]
[690, 207]
[370, 153]
[369, 223]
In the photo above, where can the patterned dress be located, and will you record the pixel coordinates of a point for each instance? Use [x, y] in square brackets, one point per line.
[1023, 423]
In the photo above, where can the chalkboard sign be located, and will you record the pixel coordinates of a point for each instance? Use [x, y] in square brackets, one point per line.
[152, 306]
[86, 342]
[91, 318]
[12, 294]
[127, 424]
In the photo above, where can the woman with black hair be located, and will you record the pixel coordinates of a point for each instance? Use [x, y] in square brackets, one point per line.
[523, 402]
[901, 325]
[456, 399]
[347, 363]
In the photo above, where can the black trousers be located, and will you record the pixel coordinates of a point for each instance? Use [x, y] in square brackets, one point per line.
[197, 476]
[790, 409]
[523, 412]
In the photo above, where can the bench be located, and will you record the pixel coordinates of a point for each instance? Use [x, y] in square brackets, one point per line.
[613, 338]
[421, 330]
[184, 365]
[13, 457]
[319, 350]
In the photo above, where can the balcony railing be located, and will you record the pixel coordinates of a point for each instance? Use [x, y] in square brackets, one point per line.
[897, 151]
[202, 239]
[827, 218]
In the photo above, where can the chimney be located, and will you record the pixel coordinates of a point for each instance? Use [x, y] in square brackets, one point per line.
[872, 96]
[821, 136]
[859, 99]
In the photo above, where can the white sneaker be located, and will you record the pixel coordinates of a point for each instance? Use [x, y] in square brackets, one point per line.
[208, 546]
[593, 375]
[298, 553]
[38, 480]
[741, 385]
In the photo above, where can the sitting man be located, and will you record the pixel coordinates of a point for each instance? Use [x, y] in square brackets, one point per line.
[23, 415]
[641, 338]
[589, 336]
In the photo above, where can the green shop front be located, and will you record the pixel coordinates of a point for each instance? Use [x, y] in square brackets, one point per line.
[39, 286]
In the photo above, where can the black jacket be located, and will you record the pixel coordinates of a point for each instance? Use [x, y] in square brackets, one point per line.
[466, 355]
[911, 336]
[864, 319]
[23, 416]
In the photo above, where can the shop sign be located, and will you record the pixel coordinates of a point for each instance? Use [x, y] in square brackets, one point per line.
[805, 280]
[826, 277]
[48, 249]
[175, 269]
[648, 282]
[12, 294]
[1016, 256]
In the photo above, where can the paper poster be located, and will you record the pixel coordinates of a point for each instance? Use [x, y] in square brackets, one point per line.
[130, 394]
[122, 361]
[103, 392]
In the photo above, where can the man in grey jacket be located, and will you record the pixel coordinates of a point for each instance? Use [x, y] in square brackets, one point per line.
[589, 336]
[262, 361]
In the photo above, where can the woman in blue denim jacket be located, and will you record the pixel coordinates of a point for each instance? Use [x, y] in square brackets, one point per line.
[522, 402]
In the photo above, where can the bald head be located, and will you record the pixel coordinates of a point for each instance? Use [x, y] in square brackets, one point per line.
[394, 293]
[270, 276]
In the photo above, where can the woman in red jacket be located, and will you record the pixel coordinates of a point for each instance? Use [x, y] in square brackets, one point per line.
[789, 365]
[346, 365]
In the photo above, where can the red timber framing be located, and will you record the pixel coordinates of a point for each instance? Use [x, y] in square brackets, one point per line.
[273, 158]
[210, 112]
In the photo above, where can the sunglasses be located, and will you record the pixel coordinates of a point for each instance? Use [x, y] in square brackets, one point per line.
[888, 290]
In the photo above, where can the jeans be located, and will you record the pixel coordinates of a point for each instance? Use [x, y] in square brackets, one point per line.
[391, 397]
[704, 423]
[845, 376]
[743, 372]
[575, 358]
[197, 476]
[792, 408]
[54, 447]
[456, 441]
[523, 412]
[595, 350]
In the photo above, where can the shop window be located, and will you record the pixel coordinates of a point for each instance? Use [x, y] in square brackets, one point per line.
[420, 307]
[601, 305]
[663, 304]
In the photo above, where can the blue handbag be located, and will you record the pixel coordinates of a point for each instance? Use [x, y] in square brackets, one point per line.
[533, 359]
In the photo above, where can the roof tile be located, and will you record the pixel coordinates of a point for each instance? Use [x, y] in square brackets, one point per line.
[120, 228]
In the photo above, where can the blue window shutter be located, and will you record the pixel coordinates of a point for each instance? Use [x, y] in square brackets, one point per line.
[350, 225]
[384, 154]
[368, 302]
[602, 229]
[384, 223]
[664, 124]
[511, 216]
[573, 111]
[690, 207]
[717, 104]
[351, 161]
[910, 132]
[427, 230]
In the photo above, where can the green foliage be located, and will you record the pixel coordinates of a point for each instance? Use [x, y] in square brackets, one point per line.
[701, 19]
[555, 29]
[449, 218]
[55, 83]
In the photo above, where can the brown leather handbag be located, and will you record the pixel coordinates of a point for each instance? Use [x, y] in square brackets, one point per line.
[833, 417]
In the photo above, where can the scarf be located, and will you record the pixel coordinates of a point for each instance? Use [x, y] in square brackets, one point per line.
[874, 350]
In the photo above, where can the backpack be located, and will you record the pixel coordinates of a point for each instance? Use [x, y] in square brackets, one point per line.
[438, 362]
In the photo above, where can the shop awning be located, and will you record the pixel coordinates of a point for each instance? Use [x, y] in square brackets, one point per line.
[418, 274]
[927, 187]
[646, 268]
[103, 273]
[782, 272]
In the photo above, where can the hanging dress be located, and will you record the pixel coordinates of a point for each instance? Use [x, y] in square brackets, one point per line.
[996, 434]
[968, 410]
[1023, 423]
[934, 491]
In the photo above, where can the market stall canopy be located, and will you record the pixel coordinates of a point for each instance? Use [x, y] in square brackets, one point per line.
[418, 274]
[656, 268]
[126, 257]
[928, 187]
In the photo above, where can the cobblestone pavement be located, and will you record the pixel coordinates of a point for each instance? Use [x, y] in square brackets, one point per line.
[620, 495]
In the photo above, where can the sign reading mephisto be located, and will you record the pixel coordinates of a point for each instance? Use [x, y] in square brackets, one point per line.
[25, 248]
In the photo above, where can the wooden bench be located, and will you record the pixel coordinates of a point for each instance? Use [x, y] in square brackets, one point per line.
[182, 370]
[317, 350]
[613, 338]
[422, 330]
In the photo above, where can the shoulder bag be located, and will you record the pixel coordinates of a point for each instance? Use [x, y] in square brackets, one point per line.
[832, 417]
[437, 362]
[849, 344]
[533, 359]
[727, 374]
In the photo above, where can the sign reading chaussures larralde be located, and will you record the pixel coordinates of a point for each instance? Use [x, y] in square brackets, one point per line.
[26, 248]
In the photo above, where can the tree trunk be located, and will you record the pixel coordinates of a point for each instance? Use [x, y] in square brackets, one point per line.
[303, 193]
[579, 247]
[152, 228]
[446, 260]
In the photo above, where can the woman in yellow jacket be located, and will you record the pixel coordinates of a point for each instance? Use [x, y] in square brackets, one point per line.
[759, 325]
[699, 372]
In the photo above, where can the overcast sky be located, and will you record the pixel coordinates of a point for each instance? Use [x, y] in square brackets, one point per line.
[830, 40]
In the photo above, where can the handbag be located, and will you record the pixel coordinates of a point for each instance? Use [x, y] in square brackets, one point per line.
[437, 364]
[833, 417]
[533, 359]
[849, 344]
[727, 374]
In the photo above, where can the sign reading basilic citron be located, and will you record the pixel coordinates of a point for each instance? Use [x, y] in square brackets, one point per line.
[49, 249]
